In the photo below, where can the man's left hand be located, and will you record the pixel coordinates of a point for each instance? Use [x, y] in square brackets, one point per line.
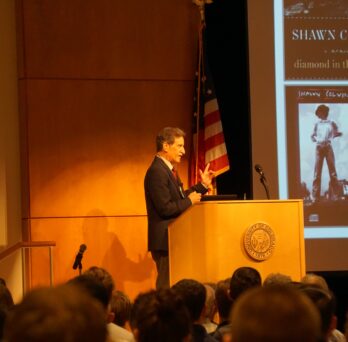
[207, 176]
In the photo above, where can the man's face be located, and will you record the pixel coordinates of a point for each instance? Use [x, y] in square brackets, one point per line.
[175, 151]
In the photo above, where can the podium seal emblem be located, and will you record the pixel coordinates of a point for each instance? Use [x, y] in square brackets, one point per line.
[259, 241]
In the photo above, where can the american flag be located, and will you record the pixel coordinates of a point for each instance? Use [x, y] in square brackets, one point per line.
[208, 136]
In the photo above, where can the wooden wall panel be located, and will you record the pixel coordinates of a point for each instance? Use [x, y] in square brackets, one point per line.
[118, 244]
[90, 143]
[109, 38]
[98, 79]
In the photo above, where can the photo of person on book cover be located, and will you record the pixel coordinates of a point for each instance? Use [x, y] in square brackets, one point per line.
[323, 152]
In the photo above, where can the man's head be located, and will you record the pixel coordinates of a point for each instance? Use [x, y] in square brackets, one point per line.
[210, 303]
[322, 112]
[92, 286]
[223, 299]
[275, 313]
[193, 294]
[325, 302]
[315, 280]
[160, 316]
[103, 276]
[60, 314]
[121, 307]
[276, 279]
[243, 278]
[170, 144]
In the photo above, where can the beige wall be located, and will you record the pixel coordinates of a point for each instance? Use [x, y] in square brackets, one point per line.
[98, 79]
[10, 212]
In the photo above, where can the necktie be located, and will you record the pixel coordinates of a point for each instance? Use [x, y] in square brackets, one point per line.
[175, 174]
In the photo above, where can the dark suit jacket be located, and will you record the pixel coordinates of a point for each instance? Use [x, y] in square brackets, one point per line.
[165, 200]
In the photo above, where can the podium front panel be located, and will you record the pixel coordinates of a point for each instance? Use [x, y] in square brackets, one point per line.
[206, 242]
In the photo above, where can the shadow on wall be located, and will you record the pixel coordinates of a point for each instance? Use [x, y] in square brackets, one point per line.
[107, 249]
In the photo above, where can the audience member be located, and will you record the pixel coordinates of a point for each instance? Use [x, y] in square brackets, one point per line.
[315, 280]
[324, 301]
[121, 307]
[103, 276]
[6, 304]
[210, 309]
[223, 304]
[243, 279]
[193, 294]
[99, 283]
[61, 314]
[274, 314]
[160, 316]
[277, 279]
[94, 288]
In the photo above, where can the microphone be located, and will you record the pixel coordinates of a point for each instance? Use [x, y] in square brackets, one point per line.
[79, 255]
[259, 170]
[263, 180]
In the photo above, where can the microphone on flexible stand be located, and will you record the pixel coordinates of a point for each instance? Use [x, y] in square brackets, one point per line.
[78, 258]
[263, 179]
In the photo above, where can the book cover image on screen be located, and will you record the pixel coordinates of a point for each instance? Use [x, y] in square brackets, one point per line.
[318, 150]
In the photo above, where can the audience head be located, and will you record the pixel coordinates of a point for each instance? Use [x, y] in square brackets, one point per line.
[210, 303]
[193, 294]
[325, 302]
[273, 314]
[93, 287]
[277, 279]
[61, 314]
[5, 296]
[160, 316]
[315, 280]
[121, 307]
[243, 278]
[223, 299]
[6, 304]
[103, 276]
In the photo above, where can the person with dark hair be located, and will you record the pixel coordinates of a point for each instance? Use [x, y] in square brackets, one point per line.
[166, 198]
[3, 281]
[103, 276]
[6, 305]
[324, 301]
[243, 279]
[224, 305]
[59, 314]
[93, 287]
[274, 314]
[193, 293]
[324, 132]
[160, 316]
[121, 308]
[96, 283]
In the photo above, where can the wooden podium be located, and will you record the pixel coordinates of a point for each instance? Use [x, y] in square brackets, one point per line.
[211, 239]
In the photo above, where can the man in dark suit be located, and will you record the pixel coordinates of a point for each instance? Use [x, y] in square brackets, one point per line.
[165, 197]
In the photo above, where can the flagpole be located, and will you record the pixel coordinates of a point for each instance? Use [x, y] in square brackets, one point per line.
[208, 138]
[201, 6]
